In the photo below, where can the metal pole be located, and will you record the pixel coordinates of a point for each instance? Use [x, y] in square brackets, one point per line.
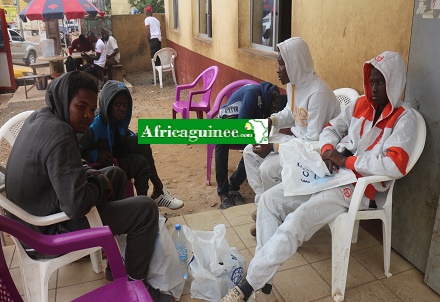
[21, 22]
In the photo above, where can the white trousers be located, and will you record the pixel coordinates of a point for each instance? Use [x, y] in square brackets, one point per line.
[285, 222]
[262, 173]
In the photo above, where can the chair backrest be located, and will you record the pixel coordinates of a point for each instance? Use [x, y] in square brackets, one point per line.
[12, 127]
[53, 245]
[419, 144]
[346, 95]
[165, 55]
[225, 94]
[208, 76]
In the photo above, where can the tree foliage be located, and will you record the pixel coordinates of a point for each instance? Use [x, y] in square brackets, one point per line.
[157, 5]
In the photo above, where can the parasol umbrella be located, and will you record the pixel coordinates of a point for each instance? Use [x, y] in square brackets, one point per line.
[45, 10]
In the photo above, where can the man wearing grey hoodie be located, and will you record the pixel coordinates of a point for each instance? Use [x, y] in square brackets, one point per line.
[46, 174]
[374, 135]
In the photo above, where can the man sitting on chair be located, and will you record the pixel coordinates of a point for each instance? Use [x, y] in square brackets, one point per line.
[372, 136]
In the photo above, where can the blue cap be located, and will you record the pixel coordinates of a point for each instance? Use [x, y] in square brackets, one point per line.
[178, 227]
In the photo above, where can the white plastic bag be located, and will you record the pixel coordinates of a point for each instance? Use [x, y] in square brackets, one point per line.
[164, 272]
[304, 172]
[215, 266]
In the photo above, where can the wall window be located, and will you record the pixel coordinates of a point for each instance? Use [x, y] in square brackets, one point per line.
[175, 14]
[205, 18]
[270, 23]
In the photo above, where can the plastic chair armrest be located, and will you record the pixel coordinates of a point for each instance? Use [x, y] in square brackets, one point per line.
[359, 191]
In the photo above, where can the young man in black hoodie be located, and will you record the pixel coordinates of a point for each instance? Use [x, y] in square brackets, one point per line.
[46, 174]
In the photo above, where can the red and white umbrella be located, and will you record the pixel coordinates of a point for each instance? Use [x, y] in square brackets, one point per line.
[45, 10]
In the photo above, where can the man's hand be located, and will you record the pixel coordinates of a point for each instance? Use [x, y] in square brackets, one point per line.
[333, 160]
[286, 131]
[262, 150]
[105, 158]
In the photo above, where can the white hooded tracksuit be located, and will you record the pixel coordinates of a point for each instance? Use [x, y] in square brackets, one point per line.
[311, 103]
[284, 222]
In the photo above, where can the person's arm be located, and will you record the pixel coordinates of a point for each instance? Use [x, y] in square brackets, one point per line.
[114, 45]
[77, 191]
[147, 30]
[319, 113]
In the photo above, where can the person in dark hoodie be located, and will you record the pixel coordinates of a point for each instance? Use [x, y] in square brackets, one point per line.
[109, 142]
[253, 101]
[46, 174]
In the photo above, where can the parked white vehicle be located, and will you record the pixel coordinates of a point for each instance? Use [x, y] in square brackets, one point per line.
[21, 49]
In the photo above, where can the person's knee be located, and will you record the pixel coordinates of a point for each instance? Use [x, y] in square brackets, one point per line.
[114, 173]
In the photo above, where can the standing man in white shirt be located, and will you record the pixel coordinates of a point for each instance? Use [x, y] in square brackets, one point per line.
[96, 68]
[152, 27]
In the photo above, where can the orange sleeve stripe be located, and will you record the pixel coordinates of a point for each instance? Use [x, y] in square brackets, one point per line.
[326, 147]
[400, 158]
[349, 163]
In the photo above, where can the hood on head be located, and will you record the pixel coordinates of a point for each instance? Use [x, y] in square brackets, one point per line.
[108, 92]
[57, 96]
[266, 94]
[298, 60]
[392, 67]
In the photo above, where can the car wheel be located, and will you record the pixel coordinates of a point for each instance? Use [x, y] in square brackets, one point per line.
[31, 58]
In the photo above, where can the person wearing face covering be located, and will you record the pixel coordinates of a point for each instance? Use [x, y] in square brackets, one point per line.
[372, 136]
[46, 174]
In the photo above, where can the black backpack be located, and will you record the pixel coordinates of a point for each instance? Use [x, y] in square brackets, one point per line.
[70, 64]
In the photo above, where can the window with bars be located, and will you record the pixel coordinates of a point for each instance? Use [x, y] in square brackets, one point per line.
[205, 18]
[175, 14]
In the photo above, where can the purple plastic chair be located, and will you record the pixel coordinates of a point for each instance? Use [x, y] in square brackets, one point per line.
[224, 94]
[207, 78]
[119, 290]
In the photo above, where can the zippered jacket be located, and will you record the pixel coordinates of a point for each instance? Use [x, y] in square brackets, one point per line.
[313, 103]
[382, 148]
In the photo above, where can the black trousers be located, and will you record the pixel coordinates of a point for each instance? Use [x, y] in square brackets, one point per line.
[221, 171]
[155, 45]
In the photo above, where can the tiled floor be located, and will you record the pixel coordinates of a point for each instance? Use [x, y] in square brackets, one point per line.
[306, 276]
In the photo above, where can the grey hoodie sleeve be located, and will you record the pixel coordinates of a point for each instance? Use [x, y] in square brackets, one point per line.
[76, 192]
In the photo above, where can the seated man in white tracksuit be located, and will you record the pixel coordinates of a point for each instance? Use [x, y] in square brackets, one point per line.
[378, 130]
[311, 103]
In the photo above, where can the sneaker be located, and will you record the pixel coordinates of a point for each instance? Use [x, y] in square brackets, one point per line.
[236, 197]
[253, 230]
[226, 203]
[234, 295]
[254, 215]
[169, 201]
[259, 296]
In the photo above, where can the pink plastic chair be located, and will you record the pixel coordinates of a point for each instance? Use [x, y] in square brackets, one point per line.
[224, 94]
[207, 79]
[119, 290]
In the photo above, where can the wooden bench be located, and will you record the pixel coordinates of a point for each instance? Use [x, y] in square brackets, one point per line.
[38, 80]
[34, 66]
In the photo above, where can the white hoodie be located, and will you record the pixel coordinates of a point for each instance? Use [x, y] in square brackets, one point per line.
[382, 148]
[315, 104]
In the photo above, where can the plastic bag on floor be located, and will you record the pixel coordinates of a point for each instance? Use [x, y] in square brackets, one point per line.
[215, 266]
[164, 273]
[304, 172]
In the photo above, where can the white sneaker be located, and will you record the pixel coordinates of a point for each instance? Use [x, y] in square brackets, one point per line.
[234, 295]
[169, 201]
[259, 296]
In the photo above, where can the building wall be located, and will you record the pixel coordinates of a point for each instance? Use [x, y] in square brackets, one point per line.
[121, 7]
[342, 35]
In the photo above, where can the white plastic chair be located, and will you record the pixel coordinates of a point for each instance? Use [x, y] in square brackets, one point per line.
[346, 95]
[36, 273]
[166, 56]
[344, 228]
